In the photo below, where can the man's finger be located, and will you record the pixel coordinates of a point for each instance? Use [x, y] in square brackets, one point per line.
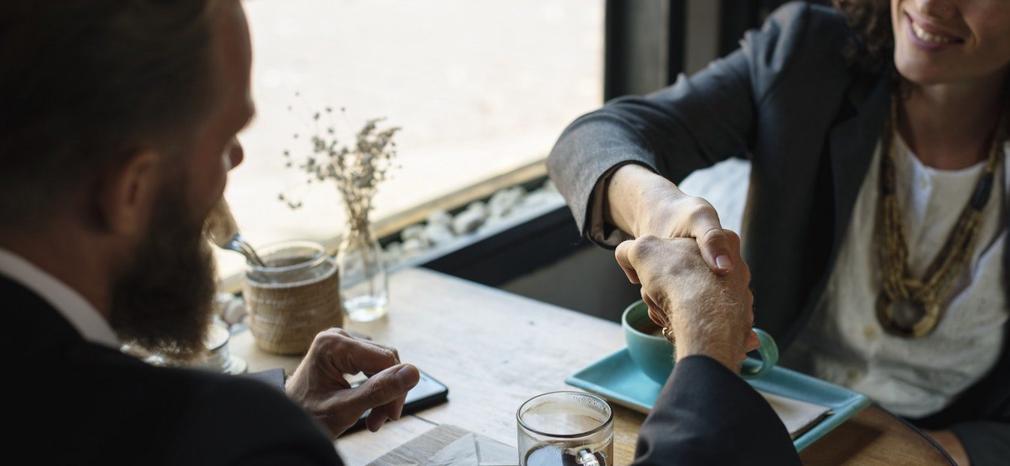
[388, 386]
[622, 254]
[389, 411]
[381, 414]
[386, 351]
[352, 356]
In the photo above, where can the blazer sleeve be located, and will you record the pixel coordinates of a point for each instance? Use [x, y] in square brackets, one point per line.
[696, 122]
[986, 442]
[707, 415]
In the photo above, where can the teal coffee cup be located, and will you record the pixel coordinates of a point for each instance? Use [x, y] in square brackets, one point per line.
[654, 354]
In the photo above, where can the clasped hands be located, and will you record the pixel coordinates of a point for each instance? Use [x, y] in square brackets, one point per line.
[693, 277]
[696, 286]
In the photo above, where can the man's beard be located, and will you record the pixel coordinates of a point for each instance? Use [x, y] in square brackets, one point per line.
[162, 300]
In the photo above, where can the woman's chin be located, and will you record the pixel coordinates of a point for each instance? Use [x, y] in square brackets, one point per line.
[923, 73]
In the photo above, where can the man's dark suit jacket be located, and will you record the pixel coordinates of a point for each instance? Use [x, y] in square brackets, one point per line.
[809, 120]
[75, 402]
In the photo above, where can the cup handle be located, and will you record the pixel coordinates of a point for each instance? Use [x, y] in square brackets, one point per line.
[769, 353]
[587, 458]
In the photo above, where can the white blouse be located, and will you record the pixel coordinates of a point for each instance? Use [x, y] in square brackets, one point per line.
[845, 344]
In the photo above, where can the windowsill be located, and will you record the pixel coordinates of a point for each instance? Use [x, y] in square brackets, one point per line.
[391, 225]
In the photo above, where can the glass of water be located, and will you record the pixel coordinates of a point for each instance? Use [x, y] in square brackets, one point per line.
[565, 428]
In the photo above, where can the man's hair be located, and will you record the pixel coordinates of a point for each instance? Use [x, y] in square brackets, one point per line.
[871, 20]
[86, 83]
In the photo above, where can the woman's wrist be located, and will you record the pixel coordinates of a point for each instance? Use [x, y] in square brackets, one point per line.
[632, 193]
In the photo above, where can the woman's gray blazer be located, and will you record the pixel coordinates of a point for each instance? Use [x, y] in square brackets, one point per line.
[809, 120]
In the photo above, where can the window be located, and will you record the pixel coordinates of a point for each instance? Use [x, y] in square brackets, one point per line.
[479, 88]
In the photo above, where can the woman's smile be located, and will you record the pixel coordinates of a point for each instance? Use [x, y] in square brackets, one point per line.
[927, 36]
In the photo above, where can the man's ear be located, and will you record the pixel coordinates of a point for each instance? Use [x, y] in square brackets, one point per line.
[128, 192]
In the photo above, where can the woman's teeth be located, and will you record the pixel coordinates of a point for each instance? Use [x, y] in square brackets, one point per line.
[921, 34]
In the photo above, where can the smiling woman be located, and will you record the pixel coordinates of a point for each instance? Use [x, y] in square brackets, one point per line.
[479, 88]
[876, 227]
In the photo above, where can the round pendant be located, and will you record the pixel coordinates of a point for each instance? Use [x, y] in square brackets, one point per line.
[906, 318]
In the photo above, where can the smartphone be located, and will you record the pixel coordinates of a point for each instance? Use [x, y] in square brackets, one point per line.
[427, 393]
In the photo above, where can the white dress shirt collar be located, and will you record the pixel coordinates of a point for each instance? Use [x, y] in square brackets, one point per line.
[70, 304]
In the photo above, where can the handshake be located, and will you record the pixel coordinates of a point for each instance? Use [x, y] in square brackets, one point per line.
[694, 282]
[693, 277]
[705, 312]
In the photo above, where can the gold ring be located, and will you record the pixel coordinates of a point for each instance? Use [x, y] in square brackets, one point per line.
[668, 334]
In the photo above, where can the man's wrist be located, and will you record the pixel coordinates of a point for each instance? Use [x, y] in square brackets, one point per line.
[710, 345]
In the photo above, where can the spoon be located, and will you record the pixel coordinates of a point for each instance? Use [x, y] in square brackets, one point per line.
[222, 230]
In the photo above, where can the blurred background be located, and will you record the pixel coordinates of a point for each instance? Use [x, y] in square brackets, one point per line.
[481, 89]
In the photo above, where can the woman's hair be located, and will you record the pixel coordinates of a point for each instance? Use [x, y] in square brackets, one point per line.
[873, 48]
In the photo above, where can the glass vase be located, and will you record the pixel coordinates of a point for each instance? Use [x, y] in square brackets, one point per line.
[363, 283]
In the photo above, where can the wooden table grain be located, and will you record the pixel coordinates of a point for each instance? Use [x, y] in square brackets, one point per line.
[494, 350]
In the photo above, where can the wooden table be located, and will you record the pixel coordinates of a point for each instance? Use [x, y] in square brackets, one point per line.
[494, 350]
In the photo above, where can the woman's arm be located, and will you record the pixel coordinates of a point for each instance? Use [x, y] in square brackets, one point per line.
[600, 161]
[693, 124]
[641, 203]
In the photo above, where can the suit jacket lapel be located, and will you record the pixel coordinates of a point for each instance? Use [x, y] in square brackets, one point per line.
[852, 143]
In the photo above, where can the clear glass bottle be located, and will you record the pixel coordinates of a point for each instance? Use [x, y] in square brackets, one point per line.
[363, 283]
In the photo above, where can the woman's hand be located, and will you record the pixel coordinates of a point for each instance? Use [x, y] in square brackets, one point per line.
[642, 203]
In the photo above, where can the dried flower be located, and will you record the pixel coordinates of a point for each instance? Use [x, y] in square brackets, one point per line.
[356, 169]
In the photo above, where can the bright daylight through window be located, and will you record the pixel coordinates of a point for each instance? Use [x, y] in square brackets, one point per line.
[479, 89]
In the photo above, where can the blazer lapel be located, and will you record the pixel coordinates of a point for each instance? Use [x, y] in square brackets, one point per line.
[851, 142]
[851, 146]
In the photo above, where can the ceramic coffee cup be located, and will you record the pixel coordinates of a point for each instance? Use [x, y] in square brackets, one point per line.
[654, 355]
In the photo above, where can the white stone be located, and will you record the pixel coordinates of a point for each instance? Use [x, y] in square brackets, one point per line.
[437, 233]
[492, 222]
[413, 232]
[503, 201]
[413, 247]
[477, 206]
[440, 217]
[470, 219]
[392, 254]
[539, 198]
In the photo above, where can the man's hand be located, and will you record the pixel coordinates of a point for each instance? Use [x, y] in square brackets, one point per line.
[708, 314]
[318, 384]
[642, 203]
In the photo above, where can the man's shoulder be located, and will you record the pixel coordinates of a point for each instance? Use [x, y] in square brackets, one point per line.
[246, 418]
[122, 410]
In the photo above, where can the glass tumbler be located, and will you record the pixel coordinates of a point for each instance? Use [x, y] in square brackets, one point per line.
[565, 428]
